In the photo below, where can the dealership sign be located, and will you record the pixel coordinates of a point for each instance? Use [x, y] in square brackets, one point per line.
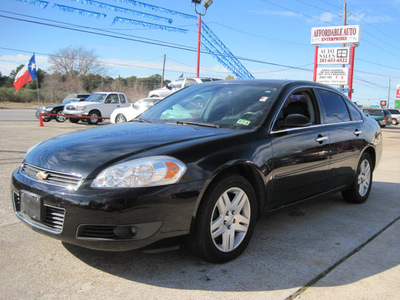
[333, 56]
[335, 34]
[398, 91]
[333, 75]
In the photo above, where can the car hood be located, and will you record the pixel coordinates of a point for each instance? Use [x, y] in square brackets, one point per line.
[84, 103]
[86, 151]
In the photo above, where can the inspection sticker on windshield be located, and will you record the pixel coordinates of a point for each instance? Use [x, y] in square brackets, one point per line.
[243, 122]
[263, 99]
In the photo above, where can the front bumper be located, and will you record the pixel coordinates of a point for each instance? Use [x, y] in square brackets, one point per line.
[115, 220]
[40, 111]
[76, 112]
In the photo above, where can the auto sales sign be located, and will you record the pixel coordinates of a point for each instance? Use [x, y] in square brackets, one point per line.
[335, 34]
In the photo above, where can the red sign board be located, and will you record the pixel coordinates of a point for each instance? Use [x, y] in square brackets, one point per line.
[335, 34]
[398, 91]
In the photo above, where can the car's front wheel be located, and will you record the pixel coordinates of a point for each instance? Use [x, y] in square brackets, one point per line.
[94, 117]
[361, 187]
[226, 219]
[120, 118]
[60, 118]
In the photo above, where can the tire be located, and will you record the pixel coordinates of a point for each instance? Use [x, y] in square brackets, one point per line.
[60, 118]
[361, 187]
[223, 229]
[120, 118]
[73, 120]
[93, 121]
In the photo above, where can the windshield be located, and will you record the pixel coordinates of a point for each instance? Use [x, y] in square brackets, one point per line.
[227, 105]
[96, 97]
[71, 100]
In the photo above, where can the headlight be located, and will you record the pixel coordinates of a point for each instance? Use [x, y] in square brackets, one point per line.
[48, 109]
[150, 171]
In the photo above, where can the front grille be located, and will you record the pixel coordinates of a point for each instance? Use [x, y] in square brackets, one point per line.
[52, 219]
[69, 181]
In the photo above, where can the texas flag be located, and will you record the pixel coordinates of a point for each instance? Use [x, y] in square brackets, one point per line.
[26, 74]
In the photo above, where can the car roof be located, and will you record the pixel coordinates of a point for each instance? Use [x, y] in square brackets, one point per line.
[282, 82]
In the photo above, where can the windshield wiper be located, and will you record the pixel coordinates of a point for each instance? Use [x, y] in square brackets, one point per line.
[141, 120]
[198, 124]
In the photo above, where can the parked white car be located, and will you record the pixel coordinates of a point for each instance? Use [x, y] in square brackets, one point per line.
[126, 114]
[177, 85]
[395, 116]
[97, 105]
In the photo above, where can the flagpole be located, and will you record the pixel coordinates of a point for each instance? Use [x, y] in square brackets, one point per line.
[37, 84]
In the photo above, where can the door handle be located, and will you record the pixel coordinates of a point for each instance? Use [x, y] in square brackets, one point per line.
[357, 132]
[320, 139]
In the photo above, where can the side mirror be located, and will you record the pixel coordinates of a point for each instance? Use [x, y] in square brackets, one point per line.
[168, 86]
[295, 120]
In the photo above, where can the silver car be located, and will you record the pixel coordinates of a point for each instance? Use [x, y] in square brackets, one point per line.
[177, 85]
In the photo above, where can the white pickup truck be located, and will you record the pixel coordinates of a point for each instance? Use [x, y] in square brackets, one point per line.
[97, 105]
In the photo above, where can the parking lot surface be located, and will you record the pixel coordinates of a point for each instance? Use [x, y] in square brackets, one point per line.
[320, 249]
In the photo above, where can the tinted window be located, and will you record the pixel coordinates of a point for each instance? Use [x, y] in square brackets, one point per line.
[355, 113]
[334, 106]
[238, 106]
[299, 102]
[374, 112]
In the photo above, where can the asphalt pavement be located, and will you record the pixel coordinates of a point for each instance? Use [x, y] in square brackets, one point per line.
[320, 249]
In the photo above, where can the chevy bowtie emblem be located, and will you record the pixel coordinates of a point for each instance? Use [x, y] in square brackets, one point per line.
[42, 175]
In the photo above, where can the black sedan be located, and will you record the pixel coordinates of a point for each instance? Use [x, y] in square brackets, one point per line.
[56, 109]
[201, 166]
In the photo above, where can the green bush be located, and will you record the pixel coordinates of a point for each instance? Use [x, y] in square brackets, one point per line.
[22, 96]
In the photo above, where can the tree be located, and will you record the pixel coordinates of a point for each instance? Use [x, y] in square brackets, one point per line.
[74, 62]
[3, 79]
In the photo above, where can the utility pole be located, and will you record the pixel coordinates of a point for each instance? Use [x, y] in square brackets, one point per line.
[163, 70]
[390, 82]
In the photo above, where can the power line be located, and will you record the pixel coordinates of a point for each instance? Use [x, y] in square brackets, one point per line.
[140, 40]
[260, 36]
[155, 42]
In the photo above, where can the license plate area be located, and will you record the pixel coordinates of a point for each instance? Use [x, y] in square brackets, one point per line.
[31, 205]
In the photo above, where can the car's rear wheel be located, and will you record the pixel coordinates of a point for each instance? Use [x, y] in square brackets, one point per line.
[93, 117]
[361, 187]
[120, 118]
[60, 118]
[226, 219]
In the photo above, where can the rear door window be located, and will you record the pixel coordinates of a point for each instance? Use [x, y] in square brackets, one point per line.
[354, 112]
[334, 106]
